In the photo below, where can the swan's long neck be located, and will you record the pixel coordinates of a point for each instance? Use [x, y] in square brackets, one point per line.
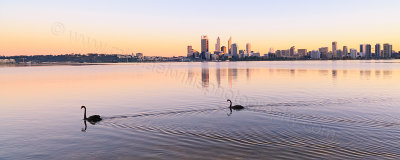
[84, 115]
[229, 106]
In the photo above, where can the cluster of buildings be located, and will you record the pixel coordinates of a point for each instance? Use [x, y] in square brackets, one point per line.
[7, 61]
[232, 51]
[141, 58]
[138, 56]
[384, 51]
[220, 52]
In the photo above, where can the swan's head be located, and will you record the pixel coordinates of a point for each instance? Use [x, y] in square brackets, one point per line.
[83, 107]
[228, 100]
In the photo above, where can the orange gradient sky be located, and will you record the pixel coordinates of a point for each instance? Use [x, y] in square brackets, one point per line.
[165, 28]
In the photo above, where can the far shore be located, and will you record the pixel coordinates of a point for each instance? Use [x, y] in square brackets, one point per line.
[96, 63]
[49, 64]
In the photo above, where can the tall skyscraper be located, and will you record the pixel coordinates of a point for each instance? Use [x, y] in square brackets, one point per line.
[368, 51]
[204, 44]
[248, 48]
[218, 45]
[189, 51]
[353, 53]
[361, 48]
[292, 51]
[334, 49]
[345, 51]
[387, 50]
[377, 50]
[235, 50]
[230, 45]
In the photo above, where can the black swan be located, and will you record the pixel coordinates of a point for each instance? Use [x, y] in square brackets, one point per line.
[92, 119]
[235, 107]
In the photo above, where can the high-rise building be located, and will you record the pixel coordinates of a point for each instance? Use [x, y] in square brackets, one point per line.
[377, 50]
[315, 54]
[248, 49]
[324, 52]
[285, 53]
[339, 53]
[204, 44]
[361, 48]
[223, 49]
[353, 53]
[218, 45]
[345, 51]
[302, 52]
[368, 51]
[387, 50]
[230, 45]
[235, 50]
[272, 53]
[292, 51]
[189, 51]
[278, 53]
[334, 49]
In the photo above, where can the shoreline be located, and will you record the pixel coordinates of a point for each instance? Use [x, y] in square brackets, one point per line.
[49, 64]
[151, 62]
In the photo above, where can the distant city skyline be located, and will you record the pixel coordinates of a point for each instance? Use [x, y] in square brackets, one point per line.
[323, 52]
[164, 28]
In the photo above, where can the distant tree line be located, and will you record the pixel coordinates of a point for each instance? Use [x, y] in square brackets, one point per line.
[77, 58]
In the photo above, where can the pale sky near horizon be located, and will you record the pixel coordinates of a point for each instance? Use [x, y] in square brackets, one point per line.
[166, 28]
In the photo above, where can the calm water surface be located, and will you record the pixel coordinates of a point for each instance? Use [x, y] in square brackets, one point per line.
[293, 110]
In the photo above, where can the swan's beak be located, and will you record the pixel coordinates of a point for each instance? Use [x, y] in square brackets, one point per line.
[82, 107]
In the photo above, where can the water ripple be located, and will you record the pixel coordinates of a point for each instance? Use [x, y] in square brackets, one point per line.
[335, 135]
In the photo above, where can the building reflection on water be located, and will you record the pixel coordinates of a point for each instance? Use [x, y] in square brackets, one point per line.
[334, 74]
[191, 74]
[387, 73]
[205, 75]
[248, 71]
[365, 74]
[231, 74]
[218, 75]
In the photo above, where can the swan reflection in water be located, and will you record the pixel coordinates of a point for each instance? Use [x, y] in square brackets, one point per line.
[84, 129]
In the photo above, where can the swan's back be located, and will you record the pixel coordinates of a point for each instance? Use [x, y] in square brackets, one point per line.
[237, 107]
[94, 118]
